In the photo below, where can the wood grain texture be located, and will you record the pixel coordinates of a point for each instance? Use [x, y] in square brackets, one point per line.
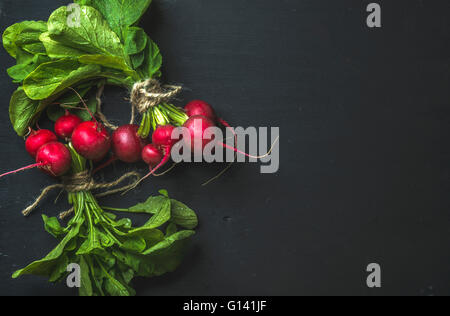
[364, 117]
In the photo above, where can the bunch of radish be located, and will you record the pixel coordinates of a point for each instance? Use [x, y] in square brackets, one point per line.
[92, 141]
[199, 116]
[129, 146]
[51, 156]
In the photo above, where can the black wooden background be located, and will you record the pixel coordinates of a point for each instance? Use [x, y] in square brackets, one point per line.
[365, 121]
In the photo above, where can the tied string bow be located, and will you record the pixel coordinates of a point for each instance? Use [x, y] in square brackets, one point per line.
[144, 95]
[83, 181]
[149, 93]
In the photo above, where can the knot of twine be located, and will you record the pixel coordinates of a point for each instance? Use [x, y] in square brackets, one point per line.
[144, 95]
[78, 182]
[83, 182]
[150, 93]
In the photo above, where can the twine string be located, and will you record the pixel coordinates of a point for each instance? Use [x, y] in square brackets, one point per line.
[144, 95]
[149, 93]
[83, 182]
[99, 113]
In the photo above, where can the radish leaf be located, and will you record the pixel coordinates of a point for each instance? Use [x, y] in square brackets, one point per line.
[20, 71]
[56, 76]
[135, 40]
[183, 215]
[120, 14]
[46, 265]
[152, 62]
[94, 36]
[22, 111]
[24, 37]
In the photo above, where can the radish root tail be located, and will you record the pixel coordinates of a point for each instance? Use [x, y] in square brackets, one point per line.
[251, 156]
[36, 165]
[224, 123]
[152, 171]
[167, 171]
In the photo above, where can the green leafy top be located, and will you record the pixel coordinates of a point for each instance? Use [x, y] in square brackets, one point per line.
[106, 47]
[120, 14]
[92, 36]
[112, 252]
[22, 39]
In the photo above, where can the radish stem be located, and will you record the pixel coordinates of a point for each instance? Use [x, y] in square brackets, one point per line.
[36, 165]
[251, 156]
[106, 164]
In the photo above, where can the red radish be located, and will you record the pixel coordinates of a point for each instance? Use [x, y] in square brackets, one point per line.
[126, 143]
[66, 124]
[37, 139]
[162, 141]
[53, 158]
[151, 155]
[199, 107]
[196, 126]
[162, 136]
[91, 140]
